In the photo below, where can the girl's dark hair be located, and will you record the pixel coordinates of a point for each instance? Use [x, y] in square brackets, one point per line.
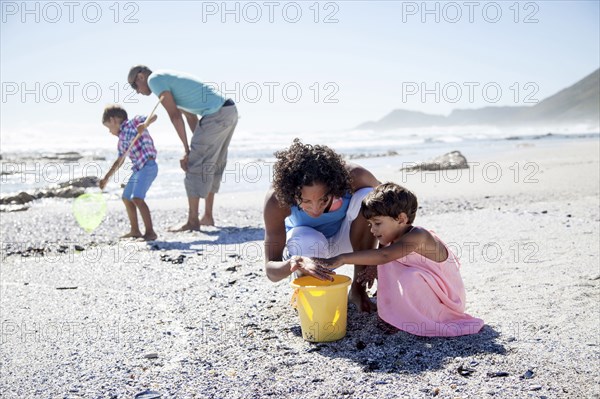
[390, 199]
[304, 165]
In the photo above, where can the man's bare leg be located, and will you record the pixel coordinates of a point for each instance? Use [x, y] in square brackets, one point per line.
[207, 219]
[193, 223]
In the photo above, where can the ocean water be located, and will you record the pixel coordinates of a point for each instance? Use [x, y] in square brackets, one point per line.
[251, 158]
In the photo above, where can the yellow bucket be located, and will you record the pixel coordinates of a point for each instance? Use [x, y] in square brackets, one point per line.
[322, 306]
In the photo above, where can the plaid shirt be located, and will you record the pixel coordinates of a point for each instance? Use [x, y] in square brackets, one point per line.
[143, 149]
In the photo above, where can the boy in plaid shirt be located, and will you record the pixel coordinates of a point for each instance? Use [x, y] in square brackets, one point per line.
[144, 168]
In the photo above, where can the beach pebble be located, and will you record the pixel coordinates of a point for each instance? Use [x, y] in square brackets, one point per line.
[148, 395]
[535, 387]
[465, 371]
[528, 374]
[371, 365]
[497, 374]
[151, 356]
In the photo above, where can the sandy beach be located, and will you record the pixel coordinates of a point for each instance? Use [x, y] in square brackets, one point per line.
[192, 315]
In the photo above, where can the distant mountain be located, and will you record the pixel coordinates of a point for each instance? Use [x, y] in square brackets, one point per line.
[577, 104]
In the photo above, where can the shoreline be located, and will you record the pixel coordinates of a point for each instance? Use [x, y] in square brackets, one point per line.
[115, 318]
[28, 171]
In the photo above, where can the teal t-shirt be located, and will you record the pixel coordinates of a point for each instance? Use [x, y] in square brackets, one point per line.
[189, 93]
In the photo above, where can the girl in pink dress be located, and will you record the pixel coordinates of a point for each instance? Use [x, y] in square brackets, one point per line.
[419, 287]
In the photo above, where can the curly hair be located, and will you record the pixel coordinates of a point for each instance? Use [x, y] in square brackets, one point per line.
[390, 199]
[304, 165]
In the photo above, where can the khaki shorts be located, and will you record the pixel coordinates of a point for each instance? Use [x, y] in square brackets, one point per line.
[208, 152]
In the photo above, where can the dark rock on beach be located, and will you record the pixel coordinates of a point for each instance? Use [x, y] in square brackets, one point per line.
[69, 189]
[18, 199]
[451, 160]
[13, 208]
[83, 182]
[69, 156]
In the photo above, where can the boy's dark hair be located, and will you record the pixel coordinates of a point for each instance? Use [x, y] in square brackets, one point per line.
[114, 111]
[390, 199]
[304, 165]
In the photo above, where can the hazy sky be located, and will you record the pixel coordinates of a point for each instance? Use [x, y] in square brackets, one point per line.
[291, 66]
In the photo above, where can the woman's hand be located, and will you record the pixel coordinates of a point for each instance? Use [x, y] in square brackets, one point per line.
[311, 268]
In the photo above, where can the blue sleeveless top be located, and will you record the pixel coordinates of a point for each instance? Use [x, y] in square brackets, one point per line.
[328, 223]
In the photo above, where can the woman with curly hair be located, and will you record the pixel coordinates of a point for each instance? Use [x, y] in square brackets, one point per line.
[313, 210]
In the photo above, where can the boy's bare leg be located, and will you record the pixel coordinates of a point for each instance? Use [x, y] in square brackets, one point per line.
[145, 212]
[193, 223]
[207, 219]
[361, 238]
[133, 220]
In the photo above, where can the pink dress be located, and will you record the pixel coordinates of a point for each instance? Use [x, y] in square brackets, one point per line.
[423, 297]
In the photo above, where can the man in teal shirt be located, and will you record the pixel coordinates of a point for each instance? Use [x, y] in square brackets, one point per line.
[205, 158]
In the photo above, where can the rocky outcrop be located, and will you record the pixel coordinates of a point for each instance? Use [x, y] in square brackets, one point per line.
[70, 189]
[451, 160]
